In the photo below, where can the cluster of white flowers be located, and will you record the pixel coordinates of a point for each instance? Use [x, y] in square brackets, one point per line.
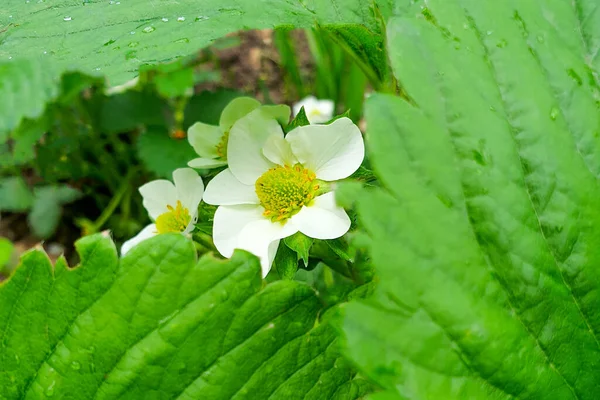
[274, 185]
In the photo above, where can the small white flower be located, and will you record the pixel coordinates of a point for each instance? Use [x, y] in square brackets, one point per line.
[317, 111]
[210, 142]
[276, 186]
[172, 207]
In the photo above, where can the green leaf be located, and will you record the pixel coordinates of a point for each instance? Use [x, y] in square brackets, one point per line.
[159, 321]
[6, 252]
[128, 110]
[15, 195]
[368, 50]
[47, 208]
[299, 120]
[285, 262]
[26, 85]
[162, 154]
[485, 235]
[174, 83]
[301, 244]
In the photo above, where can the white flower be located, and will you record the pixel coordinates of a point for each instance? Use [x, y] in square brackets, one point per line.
[172, 207]
[276, 186]
[210, 142]
[317, 111]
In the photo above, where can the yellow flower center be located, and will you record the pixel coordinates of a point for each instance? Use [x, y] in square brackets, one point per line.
[222, 146]
[283, 191]
[174, 220]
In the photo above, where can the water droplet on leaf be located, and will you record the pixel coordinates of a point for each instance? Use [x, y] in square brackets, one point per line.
[50, 389]
[180, 19]
[540, 39]
[501, 44]
[75, 365]
[200, 18]
[554, 113]
[67, 19]
[165, 19]
[148, 29]
[182, 40]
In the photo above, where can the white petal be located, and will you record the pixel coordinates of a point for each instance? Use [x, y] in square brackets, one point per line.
[157, 195]
[323, 219]
[317, 111]
[258, 238]
[205, 163]
[332, 151]
[323, 112]
[279, 151]
[228, 223]
[246, 140]
[307, 102]
[236, 109]
[190, 188]
[225, 189]
[144, 234]
[280, 112]
[204, 139]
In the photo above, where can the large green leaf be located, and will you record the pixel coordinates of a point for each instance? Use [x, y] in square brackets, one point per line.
[486, 232]
[160, 324]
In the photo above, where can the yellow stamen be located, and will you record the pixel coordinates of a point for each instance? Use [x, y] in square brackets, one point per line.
[284, 190]
[174, 220]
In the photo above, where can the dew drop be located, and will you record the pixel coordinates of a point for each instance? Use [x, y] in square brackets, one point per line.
[540, 39]
[97, 69]
[132, 33]
[165, 19]
[501, 44]
[554, 113]
[180, 19]
[10, 57]
[67, 19]
[50, 389]
[200, 18]
[489, 33]
[148, 29]
[10, 16]
[182, 40]
[75, 365]
[118, 2]
[45, 52]
[133, 44]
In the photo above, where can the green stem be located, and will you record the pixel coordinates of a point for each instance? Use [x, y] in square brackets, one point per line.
[113, 204]
[204, 240]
